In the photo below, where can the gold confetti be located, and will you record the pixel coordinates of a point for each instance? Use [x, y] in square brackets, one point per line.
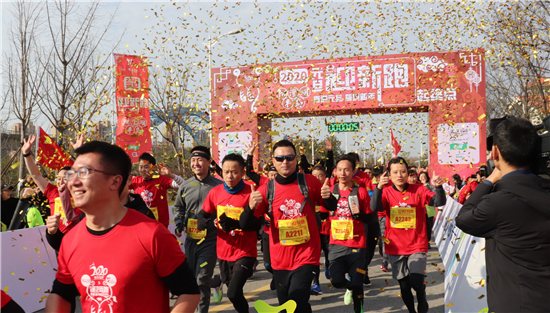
[457, 257]
[449, 305]
[481, 297]
[455, 274]
[14, 165]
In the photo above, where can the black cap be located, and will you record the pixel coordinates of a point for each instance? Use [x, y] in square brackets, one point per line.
[6, 187]
[492, 127]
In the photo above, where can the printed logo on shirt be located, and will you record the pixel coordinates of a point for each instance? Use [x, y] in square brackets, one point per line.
[291, 209]
[99, 289]
[342, 210]
[147, 197]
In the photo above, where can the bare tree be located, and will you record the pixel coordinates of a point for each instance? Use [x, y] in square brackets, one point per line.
[169, 104]
[77, 76]
[24, 74]
[518, 72]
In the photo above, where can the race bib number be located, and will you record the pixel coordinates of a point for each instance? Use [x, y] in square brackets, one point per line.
[193, 232]
[59, 208]
[231, 212]
[155, 211]
[293, 232]
[403, 217]
[341, 229]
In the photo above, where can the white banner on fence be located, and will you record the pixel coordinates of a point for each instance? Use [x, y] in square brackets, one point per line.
[28, 267]
[463, 256]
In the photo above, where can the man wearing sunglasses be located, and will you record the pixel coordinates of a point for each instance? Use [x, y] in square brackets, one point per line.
[294, 242]
[117, 259]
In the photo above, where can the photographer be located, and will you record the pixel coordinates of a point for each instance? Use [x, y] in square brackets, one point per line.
[511, 209]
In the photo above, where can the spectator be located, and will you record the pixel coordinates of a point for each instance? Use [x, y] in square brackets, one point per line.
[8, 205]
[511, 210]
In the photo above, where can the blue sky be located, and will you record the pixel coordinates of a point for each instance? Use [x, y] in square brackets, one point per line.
[280, 31]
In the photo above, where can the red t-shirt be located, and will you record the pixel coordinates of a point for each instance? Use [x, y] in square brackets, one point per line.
[351, 232]
[325, 224]
[153, 192]
[467, 190]
[56, 206]
[4, 298]
[120, 271]
[286, 207]
[235, 244]
[406, 219]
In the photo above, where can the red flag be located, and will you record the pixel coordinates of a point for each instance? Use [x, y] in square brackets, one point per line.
[50, 154]
[395, 145]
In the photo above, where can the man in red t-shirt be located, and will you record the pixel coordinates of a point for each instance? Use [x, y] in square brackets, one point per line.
[153, 187]
[348, 238]
[236, 247]
[117, 259]
[294, 242]
[62, 211]
[405, 237]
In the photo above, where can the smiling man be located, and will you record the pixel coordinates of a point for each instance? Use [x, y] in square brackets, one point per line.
[118, 259]
[200, 245]
[295, 245]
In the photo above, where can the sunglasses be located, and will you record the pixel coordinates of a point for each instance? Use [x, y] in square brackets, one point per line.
[281, 158]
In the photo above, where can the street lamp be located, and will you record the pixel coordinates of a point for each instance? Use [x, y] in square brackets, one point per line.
[209, 45]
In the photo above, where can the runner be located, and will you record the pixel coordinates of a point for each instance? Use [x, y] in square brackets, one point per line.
[200, 246]
[236, 247]
[59, 197]
[348, 240]
[377, 171]
[118, 259]
[319, 172]
[153, 187]
[294, 242]
[406, 240]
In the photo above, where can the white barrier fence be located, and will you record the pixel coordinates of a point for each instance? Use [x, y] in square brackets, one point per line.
[463, 256]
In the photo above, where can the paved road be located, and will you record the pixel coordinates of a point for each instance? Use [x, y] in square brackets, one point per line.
[382, 296]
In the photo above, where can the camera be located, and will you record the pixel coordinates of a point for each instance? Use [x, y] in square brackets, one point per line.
[541, 166]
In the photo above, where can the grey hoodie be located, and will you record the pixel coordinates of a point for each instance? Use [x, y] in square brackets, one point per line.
[191, 195]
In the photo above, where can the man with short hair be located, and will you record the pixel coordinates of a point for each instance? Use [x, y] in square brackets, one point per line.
[153, 187]
[405, 235]
[118, 259]
[200, 245]
[294, 242]
[348, 240]
[236, 247]
[511, 210]
[8, 205]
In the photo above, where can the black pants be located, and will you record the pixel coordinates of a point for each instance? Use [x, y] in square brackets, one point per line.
[354, 265]
[429, 225]
[202, 259]
[295, 285]
[373, 233]
[234, 276]
[325, 239]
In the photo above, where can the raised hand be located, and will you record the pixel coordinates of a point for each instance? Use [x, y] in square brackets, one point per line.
[328, 144]
[325, 190]
[79, 141]
[27, 144]
[255, 198]
[251, 149]
[438, 181]
[384, 180]
[52, 223]
[164, 170]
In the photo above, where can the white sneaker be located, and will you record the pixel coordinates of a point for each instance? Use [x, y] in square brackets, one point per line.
[348, 297]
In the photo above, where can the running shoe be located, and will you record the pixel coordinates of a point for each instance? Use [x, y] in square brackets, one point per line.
[384, 266]
[348, 297]
[366, 281]
[327, 273]
[316, 290]
[218, 294]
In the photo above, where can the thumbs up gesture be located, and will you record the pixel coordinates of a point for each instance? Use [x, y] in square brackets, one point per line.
[52, 223]
[325, 190]
[438, 181]
[255, 198]
[384, 180]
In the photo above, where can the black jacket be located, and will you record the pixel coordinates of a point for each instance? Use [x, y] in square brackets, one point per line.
[514, 217]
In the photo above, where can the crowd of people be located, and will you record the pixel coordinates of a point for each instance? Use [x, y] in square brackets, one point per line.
[114, 249]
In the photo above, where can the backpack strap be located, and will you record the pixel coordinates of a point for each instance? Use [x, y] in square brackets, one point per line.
[270, 196]
[354, 192]
[305, 191]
